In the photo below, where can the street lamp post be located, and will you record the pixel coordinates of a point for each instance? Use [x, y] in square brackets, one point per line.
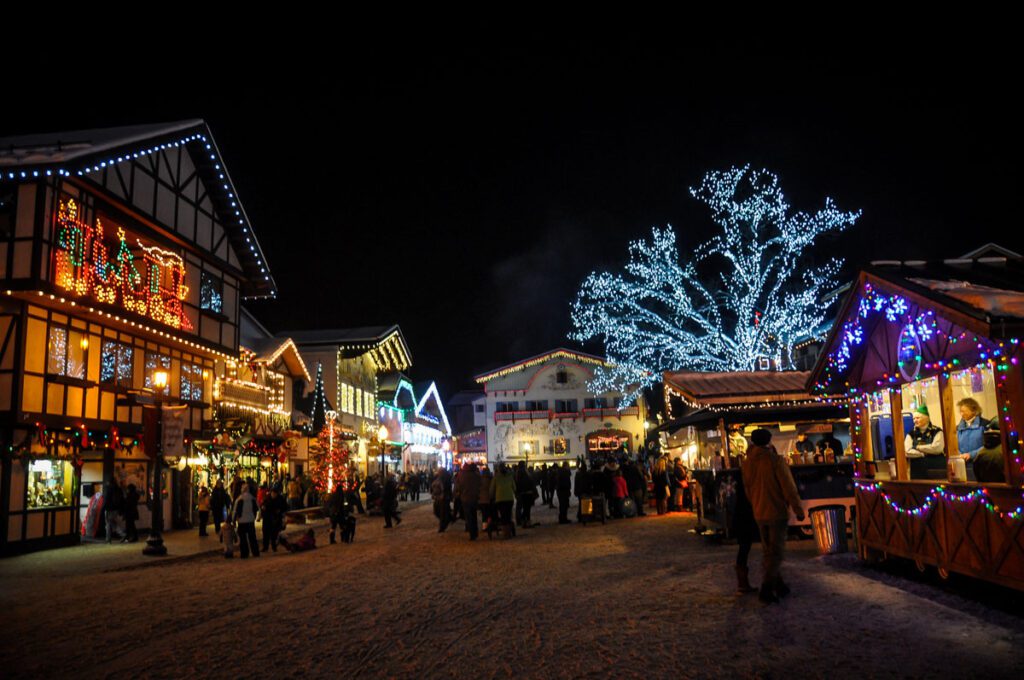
[155, 543]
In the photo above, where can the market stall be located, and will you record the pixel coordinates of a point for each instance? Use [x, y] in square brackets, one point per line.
[929, 355]
[713, 414]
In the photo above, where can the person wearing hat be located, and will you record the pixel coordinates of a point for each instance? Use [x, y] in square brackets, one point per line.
[925, 445]
[772, 492]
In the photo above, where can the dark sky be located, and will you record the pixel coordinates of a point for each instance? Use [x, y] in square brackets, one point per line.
[465, 190]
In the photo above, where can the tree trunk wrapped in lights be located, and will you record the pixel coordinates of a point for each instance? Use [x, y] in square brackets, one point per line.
[743, 295]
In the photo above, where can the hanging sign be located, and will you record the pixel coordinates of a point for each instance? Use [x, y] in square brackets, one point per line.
[173, 444]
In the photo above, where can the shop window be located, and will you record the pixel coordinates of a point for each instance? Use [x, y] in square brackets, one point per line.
[66, 352]
[191, 382]
[211, 293]
[925, 440]
[116, 364]
[49, 484]
[155, 362]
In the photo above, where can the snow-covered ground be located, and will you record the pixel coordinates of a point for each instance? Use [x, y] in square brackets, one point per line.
[635, 598]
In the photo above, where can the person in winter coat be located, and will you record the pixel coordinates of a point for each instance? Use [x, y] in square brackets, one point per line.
[619, 491]
[353, 495]
[661, 484]
[551, 484]
[770, 487]
[467, 488]
[744, 527]
[526, 494]
[203, 507]
[113, 506]
[503, 494]
[484, 499]
[295, 495]
[581, 487]
[228, 537]
[273, 511]
[389, 501]
[635, 484]
[679, 484]
[563, 488]
[244, 515]
[131, 513]
[438, 495]
[219, 502]
[306, 542]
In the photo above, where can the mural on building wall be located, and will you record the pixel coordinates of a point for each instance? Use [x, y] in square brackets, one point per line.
[507, 434]
[572, 381]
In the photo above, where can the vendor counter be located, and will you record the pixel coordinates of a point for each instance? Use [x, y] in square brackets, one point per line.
[827, 484]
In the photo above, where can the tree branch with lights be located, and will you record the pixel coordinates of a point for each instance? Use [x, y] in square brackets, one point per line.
[745, 294]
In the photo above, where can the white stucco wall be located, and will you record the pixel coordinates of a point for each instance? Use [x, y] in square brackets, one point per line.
[539, 383]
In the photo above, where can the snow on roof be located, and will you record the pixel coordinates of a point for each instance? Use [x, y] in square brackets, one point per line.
[559, 353]
[994, 301]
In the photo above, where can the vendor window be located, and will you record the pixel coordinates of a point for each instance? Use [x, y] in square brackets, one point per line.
[49, 484]
[975, 418]
[66, 352]
[924, 437]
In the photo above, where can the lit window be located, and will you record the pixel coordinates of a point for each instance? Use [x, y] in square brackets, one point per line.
[359, 402]
[66, 353]
[156, 361]
[116, 364]
[191, 382]
[49, 483]
[211, 293]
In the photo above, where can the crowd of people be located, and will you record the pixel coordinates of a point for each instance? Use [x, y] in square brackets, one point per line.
[503, 500]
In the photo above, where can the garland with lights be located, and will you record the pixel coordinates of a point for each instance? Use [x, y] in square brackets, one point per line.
[752, 298]
[940, 492]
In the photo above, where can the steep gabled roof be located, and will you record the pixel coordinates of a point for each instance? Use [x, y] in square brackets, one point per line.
[80, 153]
[386, 344]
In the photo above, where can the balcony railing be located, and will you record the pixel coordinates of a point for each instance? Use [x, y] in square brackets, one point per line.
[551, 415]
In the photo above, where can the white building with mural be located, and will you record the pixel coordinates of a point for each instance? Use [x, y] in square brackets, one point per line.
[540, 410]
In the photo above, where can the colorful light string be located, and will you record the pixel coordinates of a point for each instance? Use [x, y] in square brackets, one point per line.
[940, 492]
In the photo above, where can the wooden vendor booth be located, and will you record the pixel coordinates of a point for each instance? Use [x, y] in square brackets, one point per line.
[929, 355]
[711, 416]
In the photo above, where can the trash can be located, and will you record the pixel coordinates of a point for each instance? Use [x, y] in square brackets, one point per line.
[829, 524]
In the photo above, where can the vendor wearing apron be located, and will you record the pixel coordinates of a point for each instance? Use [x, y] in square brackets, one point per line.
[925, 446]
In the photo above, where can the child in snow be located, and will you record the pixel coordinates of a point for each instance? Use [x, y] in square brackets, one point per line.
[228, 537]
[307, 542]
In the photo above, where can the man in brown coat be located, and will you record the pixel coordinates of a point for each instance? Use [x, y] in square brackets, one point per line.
[770, 487]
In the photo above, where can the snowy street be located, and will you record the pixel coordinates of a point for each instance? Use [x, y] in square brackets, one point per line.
[634, 598]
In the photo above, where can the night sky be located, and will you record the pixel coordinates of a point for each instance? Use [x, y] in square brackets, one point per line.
[465, 191]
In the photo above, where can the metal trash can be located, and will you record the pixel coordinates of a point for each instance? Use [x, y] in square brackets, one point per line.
[829, 524]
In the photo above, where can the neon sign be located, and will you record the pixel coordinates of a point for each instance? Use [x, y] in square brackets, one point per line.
[152, 285]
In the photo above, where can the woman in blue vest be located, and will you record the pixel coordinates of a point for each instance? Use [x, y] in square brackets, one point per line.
[969, 432]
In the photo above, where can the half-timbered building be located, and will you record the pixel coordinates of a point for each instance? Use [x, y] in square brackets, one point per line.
[124, 254]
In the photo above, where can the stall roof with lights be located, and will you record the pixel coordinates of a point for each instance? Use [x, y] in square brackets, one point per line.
[89, 153]
[730, 387]
[918, 315]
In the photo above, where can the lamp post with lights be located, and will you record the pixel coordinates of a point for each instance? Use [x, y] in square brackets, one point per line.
[155, 543]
